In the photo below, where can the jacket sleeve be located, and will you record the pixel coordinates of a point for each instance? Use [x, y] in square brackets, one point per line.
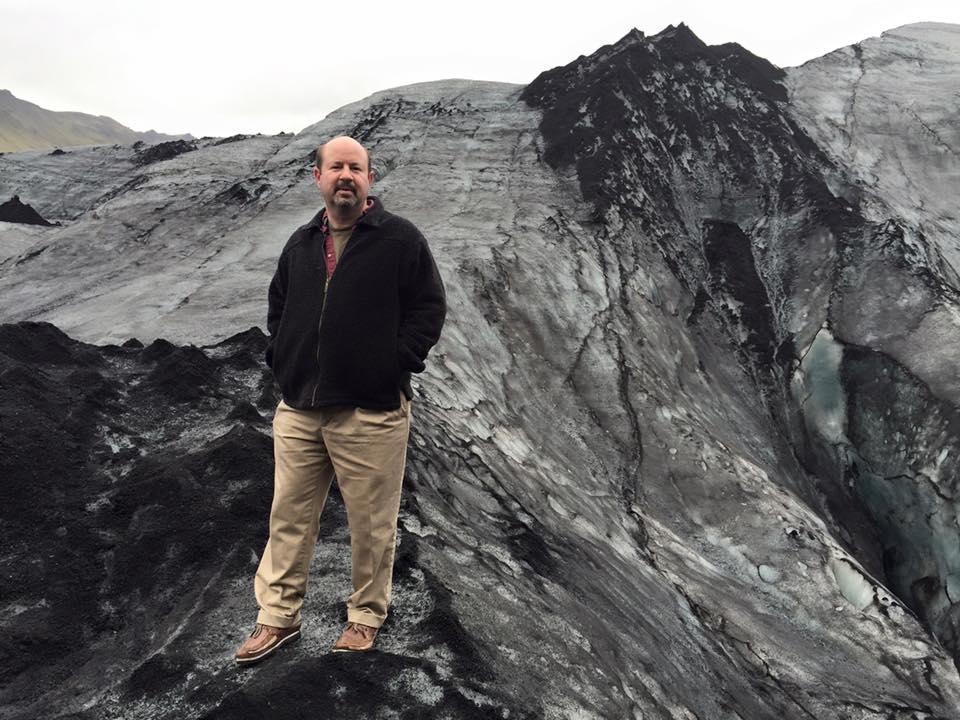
[423, 307]
[276, 297]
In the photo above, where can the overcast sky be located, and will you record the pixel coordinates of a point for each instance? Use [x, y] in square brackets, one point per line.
[218, 68]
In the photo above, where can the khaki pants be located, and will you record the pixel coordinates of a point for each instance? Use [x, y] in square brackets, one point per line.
[366, 450]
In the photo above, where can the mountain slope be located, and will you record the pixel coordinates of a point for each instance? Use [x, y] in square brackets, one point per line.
[26, 126]
[651, 474]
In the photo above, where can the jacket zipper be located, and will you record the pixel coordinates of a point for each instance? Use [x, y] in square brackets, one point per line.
[323, 306]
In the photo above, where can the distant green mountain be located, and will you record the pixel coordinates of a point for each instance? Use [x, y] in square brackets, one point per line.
[25, 126]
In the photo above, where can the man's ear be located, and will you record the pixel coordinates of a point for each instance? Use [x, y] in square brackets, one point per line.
[370, 177]
[316, 175]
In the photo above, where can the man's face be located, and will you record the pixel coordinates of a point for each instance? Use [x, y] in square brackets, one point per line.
[343, 177]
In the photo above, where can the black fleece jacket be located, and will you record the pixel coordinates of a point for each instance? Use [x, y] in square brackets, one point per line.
[357, 343]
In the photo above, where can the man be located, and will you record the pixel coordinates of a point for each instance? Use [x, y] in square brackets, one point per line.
[354, 307]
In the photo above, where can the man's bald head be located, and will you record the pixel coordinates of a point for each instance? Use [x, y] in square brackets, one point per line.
[341, 142]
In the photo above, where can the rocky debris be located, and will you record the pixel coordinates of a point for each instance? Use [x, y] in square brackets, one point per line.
[733, 276]
[245, 191]
[164, 151]
[155, 496]
[231, 139]
[15, 211]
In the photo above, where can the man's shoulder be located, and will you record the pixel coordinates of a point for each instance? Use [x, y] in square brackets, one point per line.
[397, 227]
[302, 233]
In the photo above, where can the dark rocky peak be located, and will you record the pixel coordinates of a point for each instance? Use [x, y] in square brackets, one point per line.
[667, 107]
[755, 70]
[674, 44]
[158, 349]
[634, 35]
[251, 339]
[680, 44]
[244, 350]
[681, 39]
[15, 211]
[40, 343]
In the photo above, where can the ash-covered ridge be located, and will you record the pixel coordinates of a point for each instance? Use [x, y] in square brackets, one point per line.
[649, 474]
[137, 485]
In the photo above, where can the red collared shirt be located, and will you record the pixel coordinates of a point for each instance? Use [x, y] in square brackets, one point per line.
[330, 255]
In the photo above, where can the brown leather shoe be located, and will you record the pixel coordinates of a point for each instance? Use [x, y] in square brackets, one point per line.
[356, 638]
[263, 641]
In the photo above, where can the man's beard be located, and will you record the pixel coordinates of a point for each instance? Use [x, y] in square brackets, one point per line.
[345, 202]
